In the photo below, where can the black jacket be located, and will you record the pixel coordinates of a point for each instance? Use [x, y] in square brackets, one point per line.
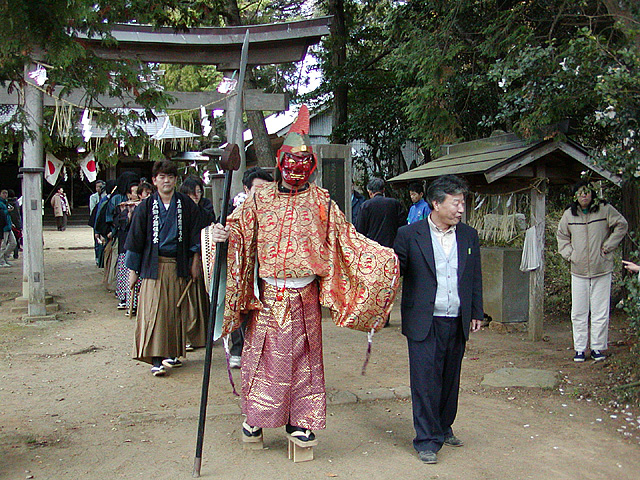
[379, 219]
[140, 237]
[418, 267]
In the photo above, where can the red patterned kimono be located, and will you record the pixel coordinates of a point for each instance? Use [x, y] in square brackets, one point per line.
[295, 236]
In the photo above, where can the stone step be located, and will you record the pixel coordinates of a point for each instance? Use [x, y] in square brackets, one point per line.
[24, 301]
[22, 305]
[51, 308]
[79, 217]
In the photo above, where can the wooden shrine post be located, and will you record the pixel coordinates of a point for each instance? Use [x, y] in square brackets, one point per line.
[536, 277]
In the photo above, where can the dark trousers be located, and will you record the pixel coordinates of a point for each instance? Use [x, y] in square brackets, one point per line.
[237, 339]
[61, 222]
[434, 368]
[98, 248]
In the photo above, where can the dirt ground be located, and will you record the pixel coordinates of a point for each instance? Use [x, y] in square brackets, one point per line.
[74, 405]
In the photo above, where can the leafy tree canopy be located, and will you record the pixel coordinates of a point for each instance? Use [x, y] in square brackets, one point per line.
[451, 71]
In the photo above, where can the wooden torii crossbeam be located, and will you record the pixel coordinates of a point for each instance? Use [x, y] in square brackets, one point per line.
[252, 100]
[221, 46]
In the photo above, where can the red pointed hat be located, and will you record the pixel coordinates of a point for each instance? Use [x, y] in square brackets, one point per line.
[301, 124]
[297, 139]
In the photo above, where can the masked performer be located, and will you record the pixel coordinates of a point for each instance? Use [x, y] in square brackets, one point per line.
[304, 253]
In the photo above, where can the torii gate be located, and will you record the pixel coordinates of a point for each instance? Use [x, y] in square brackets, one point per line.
[269, 44]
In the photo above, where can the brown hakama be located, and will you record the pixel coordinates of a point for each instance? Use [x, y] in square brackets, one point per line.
[160, 327]
[198, 314]
[282, 370]
[110, 263]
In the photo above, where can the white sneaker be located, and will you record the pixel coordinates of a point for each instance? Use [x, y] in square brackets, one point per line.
[158, 371]
[235, 361]
[171, 363]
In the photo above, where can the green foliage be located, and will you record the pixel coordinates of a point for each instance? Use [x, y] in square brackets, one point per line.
[190, 78]
[439, 59]
[557, 271]
[48, 31]
[375, 114]
[631, 284]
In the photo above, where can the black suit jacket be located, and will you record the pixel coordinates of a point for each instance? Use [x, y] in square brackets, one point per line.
[418, 267]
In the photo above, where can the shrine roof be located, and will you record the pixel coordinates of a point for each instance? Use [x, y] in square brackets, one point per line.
[507, 158]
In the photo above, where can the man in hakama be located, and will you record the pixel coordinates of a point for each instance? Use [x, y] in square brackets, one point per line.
[290, 251]
[162, 248]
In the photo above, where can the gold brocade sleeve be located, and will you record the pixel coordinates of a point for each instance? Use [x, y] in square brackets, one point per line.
[358, 277]
[363, 279]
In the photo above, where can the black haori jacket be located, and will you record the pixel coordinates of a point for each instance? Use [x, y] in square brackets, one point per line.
[142, 240]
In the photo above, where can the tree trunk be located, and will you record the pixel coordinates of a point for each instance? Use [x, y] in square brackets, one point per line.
[261, 142]
[338, 47]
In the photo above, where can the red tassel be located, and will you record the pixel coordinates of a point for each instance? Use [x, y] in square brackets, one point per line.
[225, 340]
[368, 355]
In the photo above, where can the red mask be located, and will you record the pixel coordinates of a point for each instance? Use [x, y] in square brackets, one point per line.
[296, 168]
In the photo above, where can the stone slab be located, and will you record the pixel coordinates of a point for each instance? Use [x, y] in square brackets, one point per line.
[24, 301]
[39, 318]
[521, 377]
[376, 394]
[402, 392]
[51, 308]
[341, 397]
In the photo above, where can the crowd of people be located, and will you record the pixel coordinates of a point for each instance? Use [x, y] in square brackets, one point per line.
[146, 239]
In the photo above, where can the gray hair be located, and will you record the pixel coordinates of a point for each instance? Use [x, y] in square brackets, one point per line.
[376, 185]
[445, 185]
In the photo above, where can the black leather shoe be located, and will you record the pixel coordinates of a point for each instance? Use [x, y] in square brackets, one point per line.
[453, 441]
[427, 456]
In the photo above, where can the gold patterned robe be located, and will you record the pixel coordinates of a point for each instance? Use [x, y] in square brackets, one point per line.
[294, 236]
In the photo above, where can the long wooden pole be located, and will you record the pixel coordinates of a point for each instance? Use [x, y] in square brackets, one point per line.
[221, 255]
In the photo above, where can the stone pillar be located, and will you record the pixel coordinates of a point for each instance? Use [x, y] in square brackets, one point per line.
[32, 170]
[334, 173]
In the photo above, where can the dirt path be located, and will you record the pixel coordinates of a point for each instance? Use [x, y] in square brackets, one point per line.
[73, 405]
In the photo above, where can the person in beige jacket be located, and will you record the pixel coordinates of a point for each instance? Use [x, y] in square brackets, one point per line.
[61, 208]
[588, 233]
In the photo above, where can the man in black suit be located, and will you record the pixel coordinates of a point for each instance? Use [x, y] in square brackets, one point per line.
[441, 303]
[380, 216]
